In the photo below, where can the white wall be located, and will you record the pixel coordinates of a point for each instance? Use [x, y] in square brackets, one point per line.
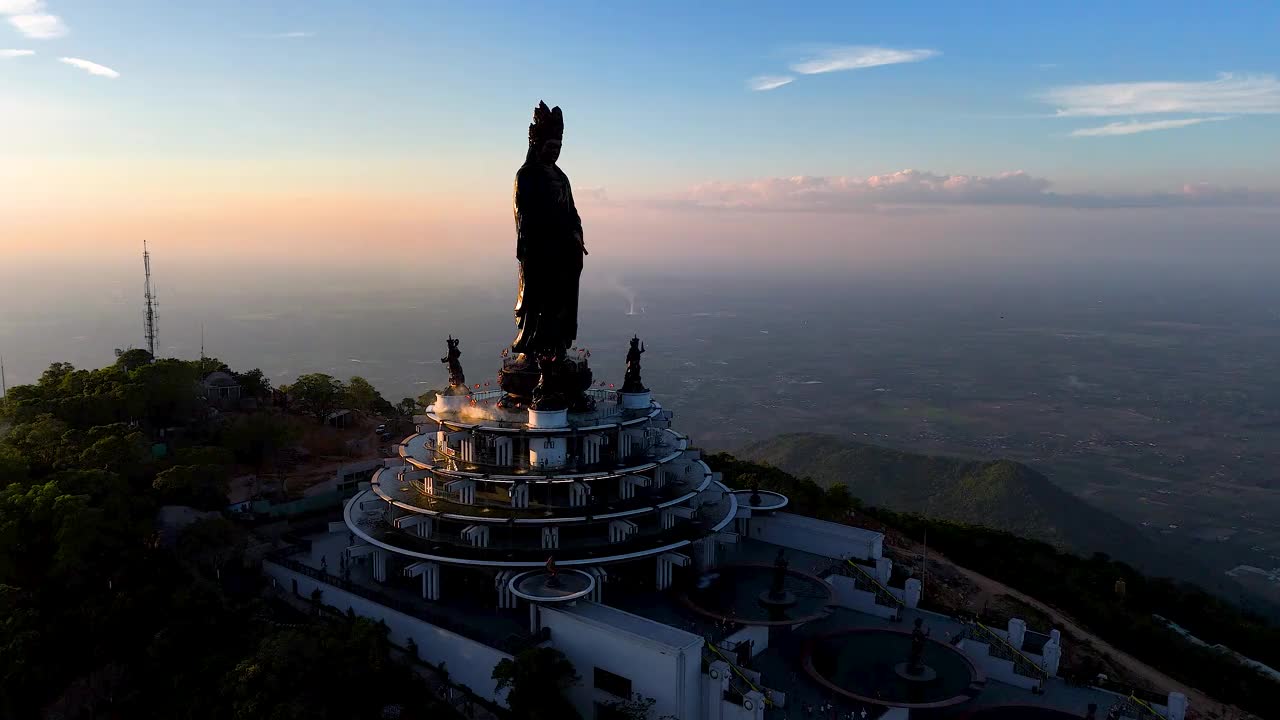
[849, 596]
[669, 674]
[757, 634]
[995, 668]
[819, 537]
[468, 662]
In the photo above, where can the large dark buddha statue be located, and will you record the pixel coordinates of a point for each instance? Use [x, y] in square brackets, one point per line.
[549, 245]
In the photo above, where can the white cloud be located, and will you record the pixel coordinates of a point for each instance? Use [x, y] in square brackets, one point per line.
[92, 68]
[1133, 126]
[1227, 95]
[20, 7]
[16, 53]
[769, 82]
[30, 19]
[284, 35]
[913, 189]
[856, 57]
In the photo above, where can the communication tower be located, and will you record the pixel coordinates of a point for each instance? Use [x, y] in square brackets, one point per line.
[149, 324]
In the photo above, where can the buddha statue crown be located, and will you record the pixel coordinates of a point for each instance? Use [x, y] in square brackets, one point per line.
[548, 124]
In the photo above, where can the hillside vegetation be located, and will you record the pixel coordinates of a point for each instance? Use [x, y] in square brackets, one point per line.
[1080, 585]
[104, 615]
[999, 494]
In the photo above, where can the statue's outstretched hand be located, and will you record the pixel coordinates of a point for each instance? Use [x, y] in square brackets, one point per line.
[582, 244]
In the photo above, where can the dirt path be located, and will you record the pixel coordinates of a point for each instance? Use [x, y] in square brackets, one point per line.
[1201, 705]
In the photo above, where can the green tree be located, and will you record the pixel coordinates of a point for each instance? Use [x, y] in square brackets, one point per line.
[407, 407]
[537, 680]
[254, 438]
[132, 359]
[253, 384]
[309, 674]
[211, 543]
[13, 466]
[40, 442]
[205, 455]
[124, 455]
[200, 486]
[171, 393]
[317, 394]
[363, 396]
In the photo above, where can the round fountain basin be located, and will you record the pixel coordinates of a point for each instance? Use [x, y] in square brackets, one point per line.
[741, 593]
[862, 664]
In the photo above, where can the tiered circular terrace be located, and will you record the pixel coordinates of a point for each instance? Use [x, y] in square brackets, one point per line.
[504, 488]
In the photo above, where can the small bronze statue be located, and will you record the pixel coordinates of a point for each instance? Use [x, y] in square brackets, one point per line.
[915, 663]
[780, 564]
[456, 379]
[631, 382]
[553, 579]
[755, 500]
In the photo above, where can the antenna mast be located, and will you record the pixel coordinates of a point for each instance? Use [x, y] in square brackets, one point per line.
[150, 323]
[4, 388]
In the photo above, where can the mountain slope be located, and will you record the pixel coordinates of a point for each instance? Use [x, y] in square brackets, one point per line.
[1000, 494]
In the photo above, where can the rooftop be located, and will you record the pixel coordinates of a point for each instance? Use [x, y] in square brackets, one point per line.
[634, 625]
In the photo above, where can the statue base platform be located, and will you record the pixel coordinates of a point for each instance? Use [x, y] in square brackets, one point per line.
[787, 600]
[449, 402]
[635, 400]
[925, 674]
[570, 380]
[548, 418]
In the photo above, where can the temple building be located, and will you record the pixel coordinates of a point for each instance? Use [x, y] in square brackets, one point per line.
[555, 511]
[605, 535]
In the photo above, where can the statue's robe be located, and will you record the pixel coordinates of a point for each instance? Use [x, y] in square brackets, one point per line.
[550, 254]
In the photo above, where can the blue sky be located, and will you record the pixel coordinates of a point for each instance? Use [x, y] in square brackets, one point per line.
[431, 99]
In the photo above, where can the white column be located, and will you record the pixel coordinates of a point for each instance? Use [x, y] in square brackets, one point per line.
[430, 574]
[708, 553]
[597, 595]
[627, 485]
[468, 449]
[666, 563]
[913, 592]
[578, 494]
[591, 448]
[717, 684]
[668, 518]
[519, 495]
[620, 530]
[380, 565]
[502, 451]
[1176, 707]
[506, 598]
[419, 524]
[466, 490]
[624, 445]
[884, 570]
[1051, 655]
[476, 535]
[550, 537]
[1017, 632]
